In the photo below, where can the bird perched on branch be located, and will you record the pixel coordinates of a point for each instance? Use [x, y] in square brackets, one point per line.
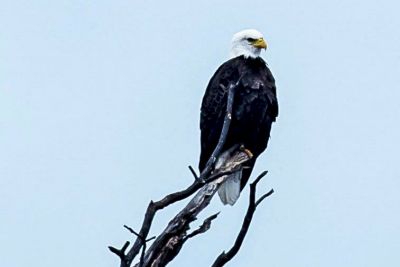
[255, 108]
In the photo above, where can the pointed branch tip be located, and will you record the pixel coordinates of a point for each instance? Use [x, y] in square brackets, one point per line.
[259, 178]
[120, 252]
[264, 197]
[196, 177]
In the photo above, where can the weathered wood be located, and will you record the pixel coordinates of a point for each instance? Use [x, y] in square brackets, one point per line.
[168, 244]
[153, 207]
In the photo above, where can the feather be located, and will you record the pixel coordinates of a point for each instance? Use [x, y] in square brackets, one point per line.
[229, 191]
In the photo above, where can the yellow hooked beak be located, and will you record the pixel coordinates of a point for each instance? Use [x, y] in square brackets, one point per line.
[260, 43]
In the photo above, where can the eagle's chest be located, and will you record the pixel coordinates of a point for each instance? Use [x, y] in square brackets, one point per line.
[250, 103]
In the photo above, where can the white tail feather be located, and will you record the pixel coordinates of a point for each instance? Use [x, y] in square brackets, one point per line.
[229, 191]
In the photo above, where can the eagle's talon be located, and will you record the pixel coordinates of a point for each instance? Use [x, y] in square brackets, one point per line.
[248, 152]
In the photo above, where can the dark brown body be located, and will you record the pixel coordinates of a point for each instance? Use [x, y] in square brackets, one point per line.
[255, 108]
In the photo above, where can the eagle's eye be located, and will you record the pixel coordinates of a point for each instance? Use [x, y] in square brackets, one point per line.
[251, 40]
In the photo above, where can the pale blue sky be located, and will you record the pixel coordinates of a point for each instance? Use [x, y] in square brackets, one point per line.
[99, 107]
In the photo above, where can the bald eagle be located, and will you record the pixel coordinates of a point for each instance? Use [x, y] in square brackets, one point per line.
[255, 108]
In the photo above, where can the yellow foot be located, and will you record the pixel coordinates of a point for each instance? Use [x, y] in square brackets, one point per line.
[248, 152]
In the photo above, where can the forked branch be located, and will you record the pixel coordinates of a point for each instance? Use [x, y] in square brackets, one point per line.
[153, 207]
[224, 257]
[168, 244]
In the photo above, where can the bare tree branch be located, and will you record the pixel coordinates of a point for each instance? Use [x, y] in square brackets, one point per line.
[153, 207]
[224, 131]
[196, 177]
[169, 243]
[270, 192]
[203, 228]
[120, 252]
[224, 257]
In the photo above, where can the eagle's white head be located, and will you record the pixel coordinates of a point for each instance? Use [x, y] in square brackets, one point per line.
[247, 43]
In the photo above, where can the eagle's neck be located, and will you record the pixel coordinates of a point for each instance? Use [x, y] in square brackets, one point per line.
[243, 50]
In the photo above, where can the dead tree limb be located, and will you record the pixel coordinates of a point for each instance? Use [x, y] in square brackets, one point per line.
[203, 228]
[168, 244]
[153, 207]
[224, 257]
[224, 132]
[144, 243]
